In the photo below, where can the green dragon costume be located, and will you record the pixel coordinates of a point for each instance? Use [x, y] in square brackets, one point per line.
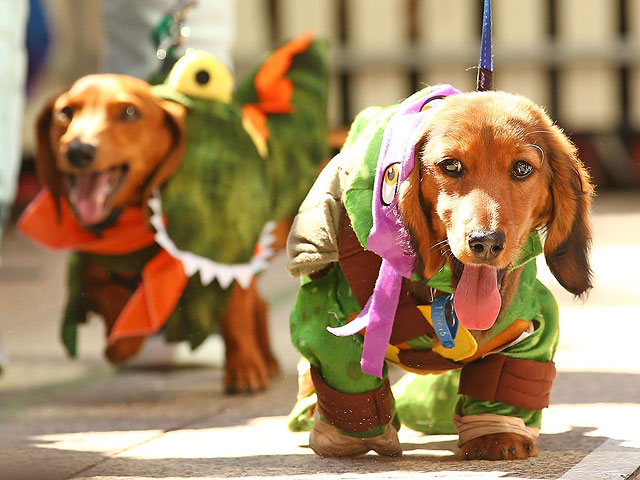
[497, 384]
[251, 155]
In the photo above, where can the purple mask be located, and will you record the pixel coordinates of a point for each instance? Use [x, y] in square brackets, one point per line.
[389, 237]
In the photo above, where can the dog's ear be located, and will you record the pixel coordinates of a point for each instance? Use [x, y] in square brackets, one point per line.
[174, 120]
[46, 166]
[568, 224]
[416, 213]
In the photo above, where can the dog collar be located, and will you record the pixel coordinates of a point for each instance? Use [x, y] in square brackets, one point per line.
[209, 270]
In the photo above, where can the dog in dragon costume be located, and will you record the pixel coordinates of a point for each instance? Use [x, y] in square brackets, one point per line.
[416, 246]
[172, 198]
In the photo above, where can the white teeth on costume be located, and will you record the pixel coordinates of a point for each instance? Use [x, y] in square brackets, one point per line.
[209, 270]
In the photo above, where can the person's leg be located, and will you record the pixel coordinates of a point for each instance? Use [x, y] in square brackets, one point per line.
[13, 64]
[128, 47]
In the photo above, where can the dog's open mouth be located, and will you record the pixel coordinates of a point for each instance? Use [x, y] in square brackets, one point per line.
[90, 192]
[477, 298]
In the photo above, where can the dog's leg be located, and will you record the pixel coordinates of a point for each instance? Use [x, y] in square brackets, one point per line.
[107, 298]
[245, 367]
[502, 421]
[351, 424]
[354, 409]
[262, 332]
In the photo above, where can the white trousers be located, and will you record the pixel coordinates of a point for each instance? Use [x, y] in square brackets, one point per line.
[128, 47]
[13, 66]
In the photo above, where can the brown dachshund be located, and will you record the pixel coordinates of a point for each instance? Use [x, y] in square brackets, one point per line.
[488, 173]
[103, 146]
[492, 168]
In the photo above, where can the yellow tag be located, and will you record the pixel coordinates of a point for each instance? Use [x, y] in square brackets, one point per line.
[465, 347]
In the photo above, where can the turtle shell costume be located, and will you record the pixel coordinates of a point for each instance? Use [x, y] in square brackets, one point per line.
[349, 245]
[251, 155]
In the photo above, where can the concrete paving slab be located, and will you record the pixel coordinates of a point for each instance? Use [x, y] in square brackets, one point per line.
[63, 419]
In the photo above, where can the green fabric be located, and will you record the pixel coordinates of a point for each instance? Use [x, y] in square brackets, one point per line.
[426, 402]
[297, 142]
[329, 301]
[539, 346]
[301, 417]
[218, 201]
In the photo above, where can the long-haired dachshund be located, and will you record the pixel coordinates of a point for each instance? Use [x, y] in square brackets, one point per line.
[165, 195]
[463, 185]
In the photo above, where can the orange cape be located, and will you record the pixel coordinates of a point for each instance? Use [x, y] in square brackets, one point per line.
[163, 278]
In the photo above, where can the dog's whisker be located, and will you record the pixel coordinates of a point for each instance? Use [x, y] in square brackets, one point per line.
[435, 245]
[538, 131]
[538, 147]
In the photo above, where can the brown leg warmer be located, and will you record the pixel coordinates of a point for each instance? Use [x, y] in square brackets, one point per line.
[498, 378]
[353, 412]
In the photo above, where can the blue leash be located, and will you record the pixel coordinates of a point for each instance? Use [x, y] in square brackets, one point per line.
[485, 70]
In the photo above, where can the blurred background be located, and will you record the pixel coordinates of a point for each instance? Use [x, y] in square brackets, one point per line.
[580, 59]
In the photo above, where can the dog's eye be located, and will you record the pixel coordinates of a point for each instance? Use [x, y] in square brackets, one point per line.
[65, 114]
[130, 114]
[390, 184]
[452, 167]
[521, 170]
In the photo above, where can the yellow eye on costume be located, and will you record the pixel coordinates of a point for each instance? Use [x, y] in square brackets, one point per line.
[390, 183]
[199, 74]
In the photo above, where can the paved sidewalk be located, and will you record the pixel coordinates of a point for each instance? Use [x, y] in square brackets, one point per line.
[64, 419]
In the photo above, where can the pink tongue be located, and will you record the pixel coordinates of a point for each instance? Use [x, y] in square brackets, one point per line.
[477, 300]
[89, 195]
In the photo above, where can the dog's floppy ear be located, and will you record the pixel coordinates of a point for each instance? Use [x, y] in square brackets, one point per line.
[416, 214]
[46, 166]
[568, 227]
[174, 119]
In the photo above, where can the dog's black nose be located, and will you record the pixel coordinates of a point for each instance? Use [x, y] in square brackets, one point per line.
[487, 245]
[81, 154]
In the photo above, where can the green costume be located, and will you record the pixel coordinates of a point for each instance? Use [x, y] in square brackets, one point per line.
[328, 249]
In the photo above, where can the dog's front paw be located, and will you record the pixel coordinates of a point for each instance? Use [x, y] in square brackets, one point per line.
[246, 372]
[124, 349]
[499, 446]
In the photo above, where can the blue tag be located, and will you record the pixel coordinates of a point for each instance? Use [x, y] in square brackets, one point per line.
[445, 326]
